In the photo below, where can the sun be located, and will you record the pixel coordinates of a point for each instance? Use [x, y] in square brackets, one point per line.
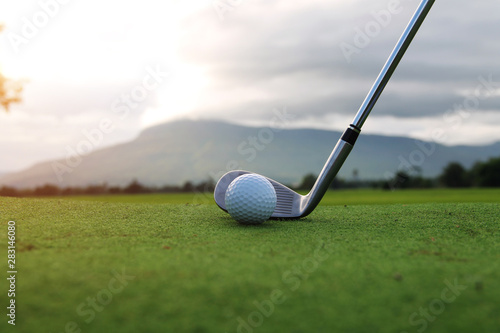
[178, 97]
[186, 83]
[111, 50]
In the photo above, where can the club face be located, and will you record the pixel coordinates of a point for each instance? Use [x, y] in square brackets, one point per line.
[288, 205]
[223, 184]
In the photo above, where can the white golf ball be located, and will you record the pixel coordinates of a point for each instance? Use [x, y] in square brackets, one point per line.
[250, 199]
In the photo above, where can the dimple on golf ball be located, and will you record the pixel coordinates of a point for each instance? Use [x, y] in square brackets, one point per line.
[250, 199]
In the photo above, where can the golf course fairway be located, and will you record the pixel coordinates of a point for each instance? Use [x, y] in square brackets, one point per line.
[121, 264]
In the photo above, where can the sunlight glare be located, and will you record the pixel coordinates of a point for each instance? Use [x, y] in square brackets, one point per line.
[177, 98]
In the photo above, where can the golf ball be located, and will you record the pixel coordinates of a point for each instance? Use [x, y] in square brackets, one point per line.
[250, 199]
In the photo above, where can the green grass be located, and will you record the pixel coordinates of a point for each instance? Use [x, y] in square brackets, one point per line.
[154, 198]
[340, 197]
[345, 268]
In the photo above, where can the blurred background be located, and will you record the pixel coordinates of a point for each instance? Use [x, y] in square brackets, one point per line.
[96, 74]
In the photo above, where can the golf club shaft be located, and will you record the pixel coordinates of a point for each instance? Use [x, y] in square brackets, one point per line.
[392, 62]
[346, 142]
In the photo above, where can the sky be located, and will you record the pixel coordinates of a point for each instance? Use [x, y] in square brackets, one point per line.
[101, 71]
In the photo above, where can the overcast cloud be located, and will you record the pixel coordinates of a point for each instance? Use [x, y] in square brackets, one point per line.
[238, 65]
[293, 56]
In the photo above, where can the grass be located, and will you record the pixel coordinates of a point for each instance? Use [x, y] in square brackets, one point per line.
[138, 264]
[340, 197]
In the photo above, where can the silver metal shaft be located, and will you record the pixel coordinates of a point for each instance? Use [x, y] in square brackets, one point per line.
[392, 62]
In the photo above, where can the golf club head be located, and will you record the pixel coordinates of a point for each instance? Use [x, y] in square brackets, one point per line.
[288, 203]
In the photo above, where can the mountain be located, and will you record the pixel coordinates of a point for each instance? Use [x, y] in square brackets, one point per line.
[176, 152]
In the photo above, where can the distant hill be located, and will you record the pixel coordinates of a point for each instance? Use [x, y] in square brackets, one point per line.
[176, 152]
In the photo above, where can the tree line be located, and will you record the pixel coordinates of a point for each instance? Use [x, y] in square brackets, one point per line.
[454, 175]
[134, 187]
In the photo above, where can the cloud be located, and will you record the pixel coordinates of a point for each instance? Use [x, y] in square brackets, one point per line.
[56, 116]
[265, 55]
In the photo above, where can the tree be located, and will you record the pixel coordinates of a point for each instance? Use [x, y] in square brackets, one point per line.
[7, 191]
[46, 190]
[206, 186]
[400, 180]
[487, 174]
[188, 187]
[10, 90]
[307, 182]
[135, 187]
[454, 175]
[96, 189]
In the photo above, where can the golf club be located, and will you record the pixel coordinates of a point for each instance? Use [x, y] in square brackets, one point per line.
[291, 205]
